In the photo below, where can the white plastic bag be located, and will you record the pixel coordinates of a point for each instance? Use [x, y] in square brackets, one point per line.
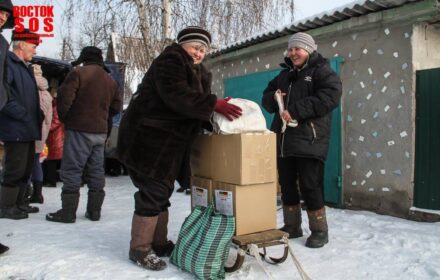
[251, 120]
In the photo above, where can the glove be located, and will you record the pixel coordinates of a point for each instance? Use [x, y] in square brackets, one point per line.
[230, 111]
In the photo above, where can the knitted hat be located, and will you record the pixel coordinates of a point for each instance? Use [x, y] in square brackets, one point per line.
[303, 41]
[194, 34]
[25, 35]
[89, 54]
[6, 5]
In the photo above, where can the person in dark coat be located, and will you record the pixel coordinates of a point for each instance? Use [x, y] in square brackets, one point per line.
[20, 127]
[310, 90]
[84, 102]
[6, 21]
[165, 114]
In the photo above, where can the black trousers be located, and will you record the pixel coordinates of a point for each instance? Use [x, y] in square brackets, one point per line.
[152, 197]
[50, 171]
[184, 177]
[18, 163]
[302, 177]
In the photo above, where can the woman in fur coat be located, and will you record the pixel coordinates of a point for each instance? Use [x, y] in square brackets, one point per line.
[164, 116]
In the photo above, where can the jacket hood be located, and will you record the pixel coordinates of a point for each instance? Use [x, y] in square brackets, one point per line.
[6, 5]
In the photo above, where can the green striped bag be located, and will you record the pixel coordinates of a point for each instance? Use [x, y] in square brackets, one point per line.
[203, 243]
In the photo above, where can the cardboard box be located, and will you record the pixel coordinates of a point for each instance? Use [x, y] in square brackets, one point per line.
[241, 159]
[254, 206]
[201, 191]
[201, 156]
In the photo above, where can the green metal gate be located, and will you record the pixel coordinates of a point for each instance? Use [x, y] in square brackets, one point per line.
[252, 86]
[333, 163]
[427, 155]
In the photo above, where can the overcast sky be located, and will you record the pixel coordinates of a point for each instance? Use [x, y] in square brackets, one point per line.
[51, 47]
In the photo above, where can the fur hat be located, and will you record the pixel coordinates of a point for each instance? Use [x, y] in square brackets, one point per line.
[194, 34]
[303, 41]
[6, 5]
[26, 35]
[89, 54]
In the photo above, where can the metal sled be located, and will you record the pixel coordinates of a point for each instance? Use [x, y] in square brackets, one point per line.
[261, 240]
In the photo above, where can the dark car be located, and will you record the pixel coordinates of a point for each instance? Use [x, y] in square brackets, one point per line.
[55, 71]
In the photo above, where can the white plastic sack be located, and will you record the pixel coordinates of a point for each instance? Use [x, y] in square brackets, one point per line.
[251, 120]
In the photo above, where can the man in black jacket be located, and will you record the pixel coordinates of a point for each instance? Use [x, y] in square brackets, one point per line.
[309, 90]
[6, 21]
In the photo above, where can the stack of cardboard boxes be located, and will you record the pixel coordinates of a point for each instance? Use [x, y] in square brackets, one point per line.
[238, 173]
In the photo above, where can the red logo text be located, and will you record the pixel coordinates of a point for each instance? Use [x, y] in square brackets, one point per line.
[40, 20]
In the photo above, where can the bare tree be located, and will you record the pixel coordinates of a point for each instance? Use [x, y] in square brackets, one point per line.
[233, 20]
[166, 19]
[229, 21]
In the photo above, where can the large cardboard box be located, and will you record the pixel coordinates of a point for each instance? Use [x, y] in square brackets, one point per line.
[201, 156]
[254, 206]
[201, 191]
[241, 159]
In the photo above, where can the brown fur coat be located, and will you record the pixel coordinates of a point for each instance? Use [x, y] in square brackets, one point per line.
[165, 114]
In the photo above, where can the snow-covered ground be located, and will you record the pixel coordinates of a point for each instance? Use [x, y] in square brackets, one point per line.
[362, 245]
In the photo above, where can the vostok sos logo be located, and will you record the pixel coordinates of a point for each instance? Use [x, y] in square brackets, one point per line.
[39, 19]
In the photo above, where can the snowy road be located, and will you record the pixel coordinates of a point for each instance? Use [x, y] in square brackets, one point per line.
[362, 245]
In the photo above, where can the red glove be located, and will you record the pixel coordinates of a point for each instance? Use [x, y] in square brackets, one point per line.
[230, 111]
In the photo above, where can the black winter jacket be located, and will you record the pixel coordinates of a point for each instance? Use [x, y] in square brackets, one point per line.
[311, 94]
[165, 114]
[5, 5]
[4, 90]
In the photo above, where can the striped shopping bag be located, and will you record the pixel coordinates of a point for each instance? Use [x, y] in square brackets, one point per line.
[203, 243]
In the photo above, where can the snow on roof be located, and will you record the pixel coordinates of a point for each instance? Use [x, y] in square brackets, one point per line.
[352, 9]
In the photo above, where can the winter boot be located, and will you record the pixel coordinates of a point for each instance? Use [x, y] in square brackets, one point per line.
[23, 200]
[67, 214]
[94, 204]
[292, 220]
[161, 245]
[318, 227]
[3, 248]
[37, 195]
[8, 207]
[141, 251]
